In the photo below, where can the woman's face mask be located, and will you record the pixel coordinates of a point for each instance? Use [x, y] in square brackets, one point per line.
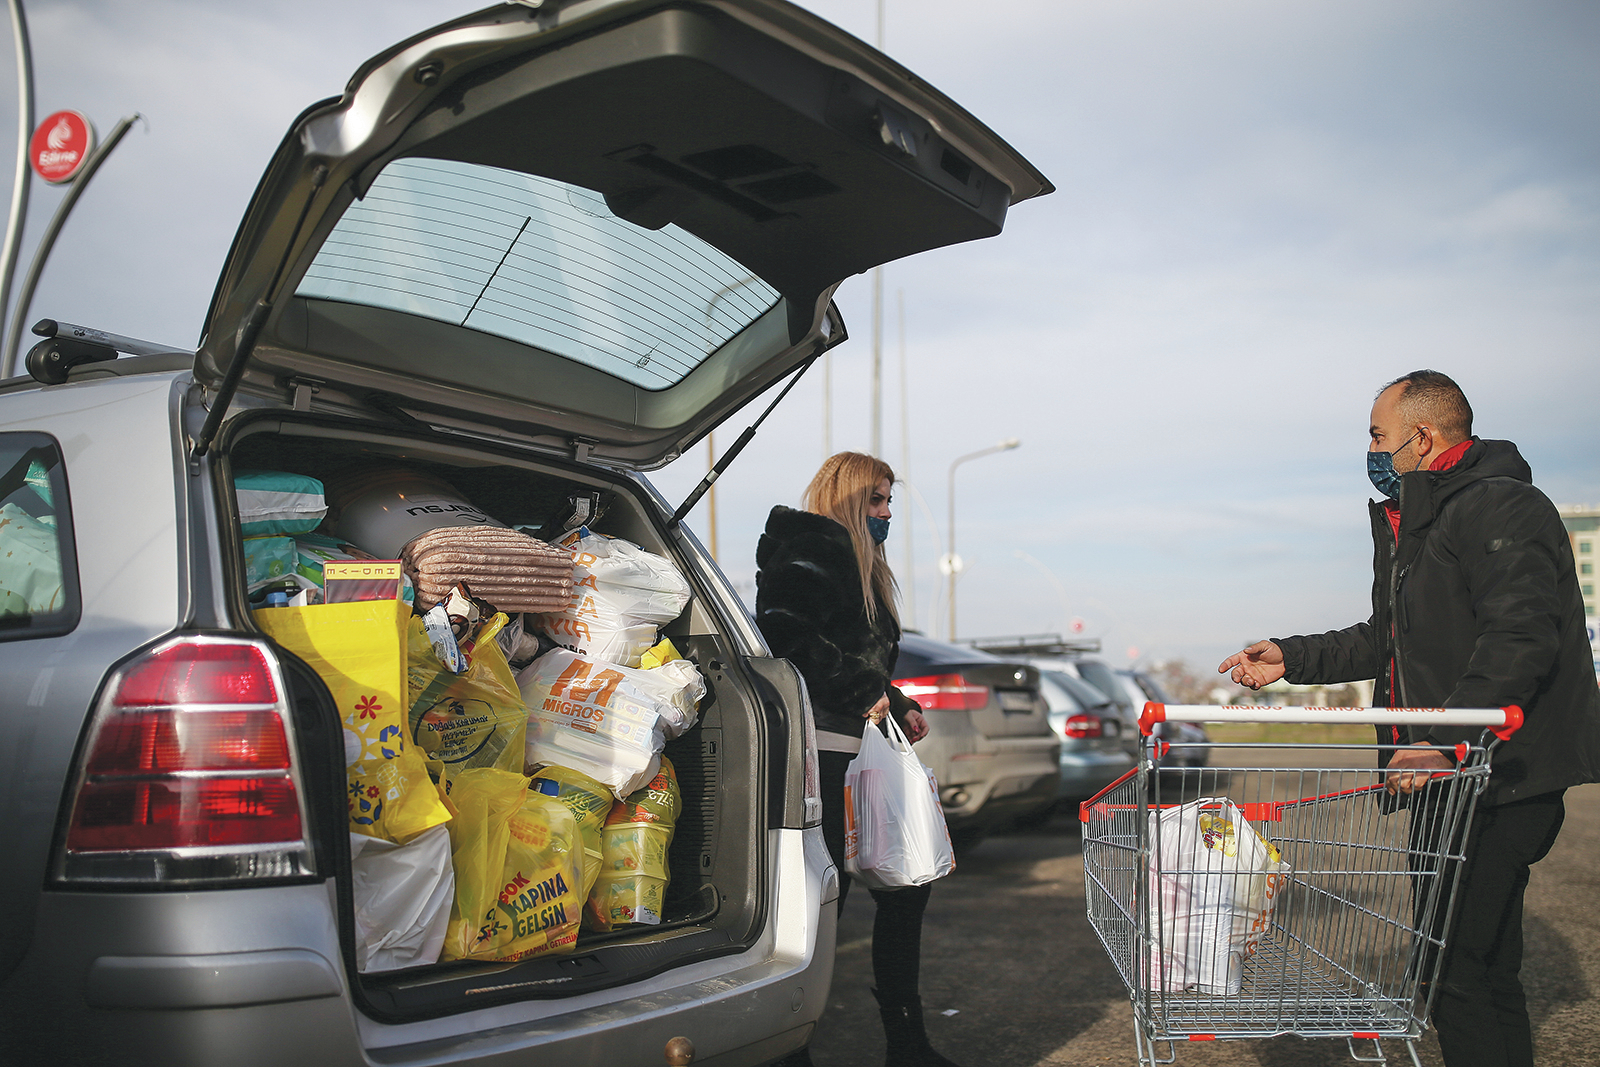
[1380, 469]
[878, 528]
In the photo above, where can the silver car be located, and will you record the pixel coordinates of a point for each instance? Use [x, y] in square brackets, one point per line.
[534, 251]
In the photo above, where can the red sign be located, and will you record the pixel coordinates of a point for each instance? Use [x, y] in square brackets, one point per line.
[60, 146]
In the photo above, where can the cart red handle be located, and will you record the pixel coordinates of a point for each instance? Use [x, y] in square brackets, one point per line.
[1502, 722]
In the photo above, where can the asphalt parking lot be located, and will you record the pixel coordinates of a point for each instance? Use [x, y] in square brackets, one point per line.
[1007, 949]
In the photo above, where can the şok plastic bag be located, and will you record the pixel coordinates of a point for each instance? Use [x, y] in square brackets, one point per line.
[620, 595]
[473, 719]
[608, 721]
[895, 834]
[1214, 882]
[519, 863]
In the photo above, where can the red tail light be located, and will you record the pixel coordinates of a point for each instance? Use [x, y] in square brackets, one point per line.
[1083, 726]
[189, 772]
[944, 692]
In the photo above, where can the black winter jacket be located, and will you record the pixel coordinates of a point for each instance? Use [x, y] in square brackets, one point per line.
[810, 609]
[1477, 606]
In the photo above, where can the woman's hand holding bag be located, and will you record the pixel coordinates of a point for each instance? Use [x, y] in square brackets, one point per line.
[895, 833]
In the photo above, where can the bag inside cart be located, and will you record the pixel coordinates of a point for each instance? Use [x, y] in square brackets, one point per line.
[1213, 881]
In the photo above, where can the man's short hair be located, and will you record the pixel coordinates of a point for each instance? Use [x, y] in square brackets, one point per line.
[1434, 398]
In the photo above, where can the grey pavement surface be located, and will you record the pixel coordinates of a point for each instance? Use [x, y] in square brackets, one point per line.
[1007, 948]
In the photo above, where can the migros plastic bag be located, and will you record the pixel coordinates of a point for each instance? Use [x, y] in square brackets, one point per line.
[608, 721]
[634, 874]
[474, 719]
[621, 594]
[359, 651]
[895, 834]
[518, 862]
[1214, 882]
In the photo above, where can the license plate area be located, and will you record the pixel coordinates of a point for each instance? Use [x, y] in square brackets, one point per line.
[1015, 701]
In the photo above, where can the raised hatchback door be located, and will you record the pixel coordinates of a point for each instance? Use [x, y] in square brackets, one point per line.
[604, 223]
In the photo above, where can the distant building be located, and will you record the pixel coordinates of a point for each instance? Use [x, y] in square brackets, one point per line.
[1583, 527]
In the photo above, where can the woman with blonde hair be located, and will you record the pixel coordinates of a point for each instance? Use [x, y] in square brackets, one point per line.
[825, 600]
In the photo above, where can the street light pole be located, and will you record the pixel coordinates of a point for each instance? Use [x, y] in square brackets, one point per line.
[22, 180]
[952, 562]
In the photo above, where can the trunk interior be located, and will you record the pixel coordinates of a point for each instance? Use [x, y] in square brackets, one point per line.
[714, 898]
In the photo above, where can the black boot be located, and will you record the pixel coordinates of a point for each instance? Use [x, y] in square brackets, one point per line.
[908, 1041]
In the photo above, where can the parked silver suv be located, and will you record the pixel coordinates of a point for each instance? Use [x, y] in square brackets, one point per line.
[533, 252]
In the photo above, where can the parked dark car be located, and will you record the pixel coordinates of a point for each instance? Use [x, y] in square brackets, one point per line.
[989, 743]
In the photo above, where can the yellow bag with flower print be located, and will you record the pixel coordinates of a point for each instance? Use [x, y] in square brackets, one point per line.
[359, 651]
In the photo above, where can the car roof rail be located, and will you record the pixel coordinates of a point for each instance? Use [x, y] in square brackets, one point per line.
[66, 346]
[1035, 645]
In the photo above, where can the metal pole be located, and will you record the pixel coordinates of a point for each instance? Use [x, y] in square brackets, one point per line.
[23, 180]
[910, 585]
[711, 494]
[951, 563]
[877, 361]
[42, 254]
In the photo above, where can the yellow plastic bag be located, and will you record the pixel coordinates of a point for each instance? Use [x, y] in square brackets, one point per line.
[359, 651]
[634, 875]
[590, 802]
[475, 719]
[518, 862]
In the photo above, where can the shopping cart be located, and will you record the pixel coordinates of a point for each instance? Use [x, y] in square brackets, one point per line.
[1297, 898]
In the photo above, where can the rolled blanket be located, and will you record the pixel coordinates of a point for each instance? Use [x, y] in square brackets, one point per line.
[509, 569]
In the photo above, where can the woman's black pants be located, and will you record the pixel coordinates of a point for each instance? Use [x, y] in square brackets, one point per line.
[897, 926]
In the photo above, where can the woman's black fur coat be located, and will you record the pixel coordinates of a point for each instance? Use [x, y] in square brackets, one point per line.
[810, 610]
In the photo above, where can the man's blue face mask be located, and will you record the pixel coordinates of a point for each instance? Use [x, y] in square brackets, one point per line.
[1380, 469]
[878, 528]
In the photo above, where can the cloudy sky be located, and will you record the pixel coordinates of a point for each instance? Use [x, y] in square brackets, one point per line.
[1265, 211]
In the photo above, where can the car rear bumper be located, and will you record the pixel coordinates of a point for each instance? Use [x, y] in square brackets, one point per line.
[252, 977]
[1085, 773]
[989, 788]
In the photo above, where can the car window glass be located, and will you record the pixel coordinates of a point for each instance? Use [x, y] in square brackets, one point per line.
[38, 574]
[540, 262]
[1057, 695]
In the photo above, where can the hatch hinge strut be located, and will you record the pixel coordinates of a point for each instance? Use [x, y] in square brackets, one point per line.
[738, 446]
[303, 389]
[251, 330]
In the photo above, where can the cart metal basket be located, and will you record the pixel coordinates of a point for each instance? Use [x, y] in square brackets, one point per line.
[1297, 898]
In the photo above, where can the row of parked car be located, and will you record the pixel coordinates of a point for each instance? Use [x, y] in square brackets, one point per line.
[1018, 730]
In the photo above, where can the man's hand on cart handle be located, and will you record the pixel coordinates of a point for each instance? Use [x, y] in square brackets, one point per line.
[1410, 768]
[1260, 664]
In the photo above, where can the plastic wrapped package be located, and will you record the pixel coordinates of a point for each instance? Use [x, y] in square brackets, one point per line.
[279, 561]
[634, 872]
[473, 719]
[402, 896]
[518, 862]
[621, 596]
[30, 569]
[507, 568]
[277, 502]
[608, 721]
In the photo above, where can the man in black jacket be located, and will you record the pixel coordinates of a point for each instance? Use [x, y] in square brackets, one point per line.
[1475, 603]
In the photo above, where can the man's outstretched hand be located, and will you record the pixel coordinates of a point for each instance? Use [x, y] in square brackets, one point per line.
[1260, 664]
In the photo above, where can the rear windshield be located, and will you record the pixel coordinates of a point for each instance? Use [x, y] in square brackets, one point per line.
[540, 262]
[38, 573]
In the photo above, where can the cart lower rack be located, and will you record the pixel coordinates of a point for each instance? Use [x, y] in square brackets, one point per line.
[1297, 898]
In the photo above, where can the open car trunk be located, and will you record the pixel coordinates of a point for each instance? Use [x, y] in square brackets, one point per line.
[714, 901]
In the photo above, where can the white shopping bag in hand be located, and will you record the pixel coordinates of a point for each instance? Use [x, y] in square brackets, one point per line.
[894, 828]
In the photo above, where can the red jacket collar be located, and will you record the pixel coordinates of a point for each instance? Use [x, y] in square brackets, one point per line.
[1443, 462]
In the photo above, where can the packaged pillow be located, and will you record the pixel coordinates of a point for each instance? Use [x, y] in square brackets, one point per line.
[276, 502]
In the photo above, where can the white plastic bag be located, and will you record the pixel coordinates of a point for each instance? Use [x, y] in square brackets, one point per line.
[1214, 882]
[402, 898]
[894, 830]
[620, 595]
[608, 721]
